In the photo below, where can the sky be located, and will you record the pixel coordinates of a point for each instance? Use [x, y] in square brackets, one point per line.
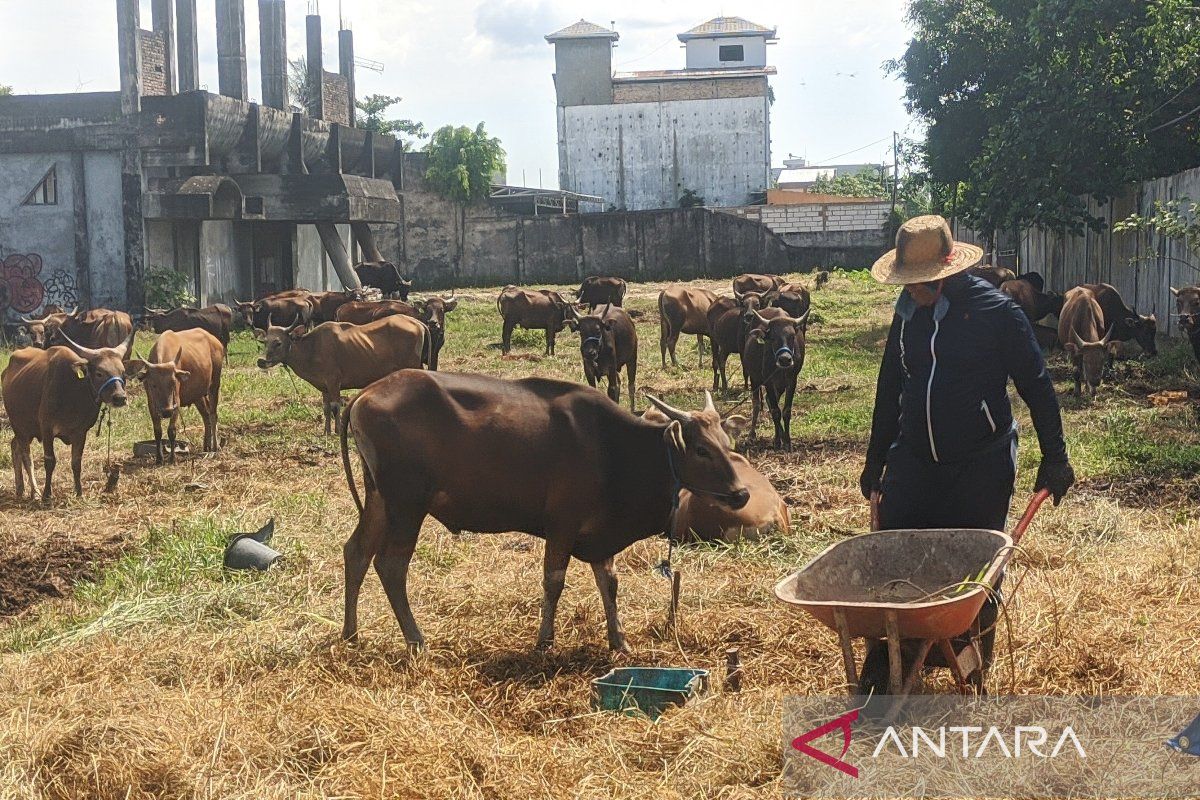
[462, 62]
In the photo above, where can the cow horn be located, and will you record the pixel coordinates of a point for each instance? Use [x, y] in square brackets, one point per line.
[126, 345]
[761, 318]
[801, 320]
[1077, 338]
[80, 350]
[709, 405]
[1107, 336]
[295, 324]
[670, 411]
[41, 321]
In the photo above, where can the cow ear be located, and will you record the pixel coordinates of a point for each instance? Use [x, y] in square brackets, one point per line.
[608, 324]
[182, 375]
[572, 323]
[673, 436]
[450, 305]
[1174, 291]
[260, 334]
[1114, 348]
[735, 426]
[80, 367]
[135, 368]
[758, 334]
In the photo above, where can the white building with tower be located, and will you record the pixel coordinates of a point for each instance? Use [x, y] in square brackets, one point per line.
[643, 140]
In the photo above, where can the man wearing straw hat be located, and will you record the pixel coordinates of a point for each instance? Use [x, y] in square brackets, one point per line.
[943, 449]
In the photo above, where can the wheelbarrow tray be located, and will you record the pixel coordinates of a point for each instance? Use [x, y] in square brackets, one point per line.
[862, 578]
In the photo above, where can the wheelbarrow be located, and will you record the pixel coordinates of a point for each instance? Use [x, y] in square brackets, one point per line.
[925, 585]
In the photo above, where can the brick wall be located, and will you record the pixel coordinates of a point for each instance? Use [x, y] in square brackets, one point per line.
[154, 73]
[658, 91]
[868, 216]
[336, 92]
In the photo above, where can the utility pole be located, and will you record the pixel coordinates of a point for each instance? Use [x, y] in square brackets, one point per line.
[895, 168]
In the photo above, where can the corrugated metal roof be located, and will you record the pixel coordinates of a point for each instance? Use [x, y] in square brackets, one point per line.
[726, 26]
[583, 30]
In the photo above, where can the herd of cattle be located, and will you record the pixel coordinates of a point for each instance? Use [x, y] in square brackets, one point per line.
[557, 452]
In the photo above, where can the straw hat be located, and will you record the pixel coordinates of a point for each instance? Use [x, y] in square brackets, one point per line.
[925, 251]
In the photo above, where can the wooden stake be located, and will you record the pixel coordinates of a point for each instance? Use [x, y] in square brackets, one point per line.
[672, 615]
[733, 670]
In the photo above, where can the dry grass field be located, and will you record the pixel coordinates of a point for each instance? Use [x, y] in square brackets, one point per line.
[133, 665]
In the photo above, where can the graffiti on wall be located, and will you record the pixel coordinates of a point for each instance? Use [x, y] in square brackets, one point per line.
[22, 289]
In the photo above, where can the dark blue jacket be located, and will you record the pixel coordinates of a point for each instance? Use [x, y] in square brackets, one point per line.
[943, 384]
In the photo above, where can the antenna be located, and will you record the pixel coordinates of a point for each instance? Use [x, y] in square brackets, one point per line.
[368, 63]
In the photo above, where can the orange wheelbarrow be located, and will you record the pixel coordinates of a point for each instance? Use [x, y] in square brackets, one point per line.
[926, 585]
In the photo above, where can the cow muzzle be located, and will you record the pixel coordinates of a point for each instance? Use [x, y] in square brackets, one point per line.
[264, 363]
[785, 358]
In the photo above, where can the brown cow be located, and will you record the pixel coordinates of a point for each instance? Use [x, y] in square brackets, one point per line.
[384, 276]
[793, 298]
[182, 369]
[1081, 333]
[759, 284]
[42, 330]
[98, 328]
[996, 276]
[432, 312]
[337, 355]
[821, 279]
[1187, 301]
[545, 457]
[527, 308]
[772, 358]
[56, 394]
[216, 319]
[683, 309]
[360, 312]
[1121, 321]
[727, 325]
[280, 308]
[326, 304]
[600, 290]
[1036, 305]
[607, 342]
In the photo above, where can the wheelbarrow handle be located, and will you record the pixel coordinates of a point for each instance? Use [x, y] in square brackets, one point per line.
[876, 496]
[1035, 503]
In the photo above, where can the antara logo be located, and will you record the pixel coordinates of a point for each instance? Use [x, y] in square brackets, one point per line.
[842, 723]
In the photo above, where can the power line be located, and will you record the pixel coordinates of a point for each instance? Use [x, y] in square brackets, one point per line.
[855, 150]
[1180, 118]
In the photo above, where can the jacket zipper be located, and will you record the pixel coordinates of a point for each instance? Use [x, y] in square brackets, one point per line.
[929, 391]
[987, 412]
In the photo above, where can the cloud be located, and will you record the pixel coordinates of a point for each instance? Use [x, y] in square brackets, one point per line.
[516, 29]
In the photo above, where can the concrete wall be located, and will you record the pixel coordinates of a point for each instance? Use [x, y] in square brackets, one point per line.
[42, 252]
[225, 256]
[644, 155]
[583, 71]
[705, 53]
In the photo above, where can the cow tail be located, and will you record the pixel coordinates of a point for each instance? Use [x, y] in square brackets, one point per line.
[346, 456]
[426, 345]
[662, 317]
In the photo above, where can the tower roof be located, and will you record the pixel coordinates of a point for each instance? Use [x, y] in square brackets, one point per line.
[583, 30]
[727, 26]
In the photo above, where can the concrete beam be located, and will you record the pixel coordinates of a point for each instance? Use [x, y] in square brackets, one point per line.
[338, 255]
[366, 241]
[316, 67]
[188, 46]
[231, 48]
[272, 27]
[164, 23]
[346, 68]
[129, 55]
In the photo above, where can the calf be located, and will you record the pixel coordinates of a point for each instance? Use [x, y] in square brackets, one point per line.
[384, 276]
[182, 369]
[545, 457]
[759, 284]
[683, 309]
[727, 330]
[607, 342]
[57, 394]
[1036, 304]
[601, 290]
[360, 312]
[1121, 321]
[527, 308]
[772, 358]
[337, 355]
[433, 313]
[1080, 332]
[215, 319]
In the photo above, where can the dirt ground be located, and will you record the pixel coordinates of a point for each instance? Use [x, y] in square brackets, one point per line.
[133, 665]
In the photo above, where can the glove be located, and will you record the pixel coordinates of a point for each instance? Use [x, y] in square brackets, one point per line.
[1057, 476]
[869, 480]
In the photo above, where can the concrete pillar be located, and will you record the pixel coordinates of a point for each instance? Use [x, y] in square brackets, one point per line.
[346, 67]
[272, 27]
[231, 48]
[129, 55]
[365, 238]
[164, 24]
[316, 67]
[337, 255]
[188, 46]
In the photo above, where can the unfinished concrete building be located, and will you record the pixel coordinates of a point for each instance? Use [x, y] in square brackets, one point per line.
[242, 198]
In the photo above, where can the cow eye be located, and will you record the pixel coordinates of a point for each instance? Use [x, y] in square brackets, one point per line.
[703, 452]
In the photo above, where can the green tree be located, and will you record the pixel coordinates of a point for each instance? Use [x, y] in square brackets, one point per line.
[300, 89]
[5, 90]
[462, 162]
[1032, 104]
[868, 182]
[374, 106]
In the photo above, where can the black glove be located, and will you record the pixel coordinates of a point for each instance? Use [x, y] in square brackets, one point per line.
[1057, 476]
[869, 480]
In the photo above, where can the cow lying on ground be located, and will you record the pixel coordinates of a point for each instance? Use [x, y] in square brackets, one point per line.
[97, 328]
[544, 457]
[56, 394]
[182, 369]
[608, 342]
[1036, 304]
[759, 284]
[360, 312]
[337, 355]
[528, 308]
[384, 276]
[281, 308]
[1121, 321]
[1081, 334]
[215, 319]
[601, 290]
[683, 309]
[325, 305]
[772, 358]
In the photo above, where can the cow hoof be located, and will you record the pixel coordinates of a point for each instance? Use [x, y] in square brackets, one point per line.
[416, 647]
[619, 646]
[543, 645]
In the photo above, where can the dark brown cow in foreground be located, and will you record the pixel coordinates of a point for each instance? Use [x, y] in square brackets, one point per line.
[215, 319]
[56, 394]
[772, 358]
[182, 369]
[432, 312]
[1081, 333]
[360, 312]
[97, 328]
[384, 276]
[1036, 304]
[528, 308]
[759, 284]
[549, 458]
[996, 276]
[683, 309]
[337, 355]
[601, 290]
[608, 342]
[1121, 321]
